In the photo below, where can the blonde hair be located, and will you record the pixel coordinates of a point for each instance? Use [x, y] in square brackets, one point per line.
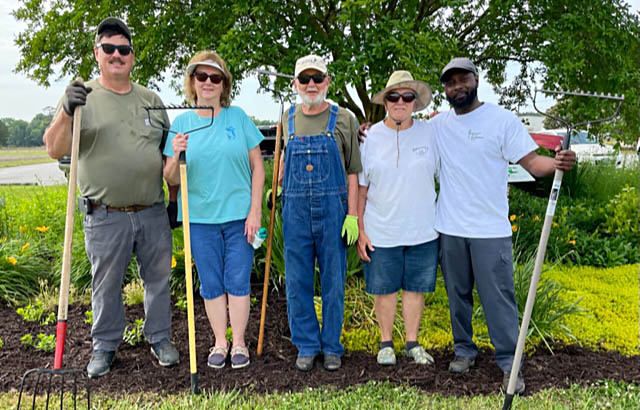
[189, 90]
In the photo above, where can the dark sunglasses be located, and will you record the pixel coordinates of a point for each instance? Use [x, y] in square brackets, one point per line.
[395, 97]
[202, 77]
[317, 78]
[111, 48]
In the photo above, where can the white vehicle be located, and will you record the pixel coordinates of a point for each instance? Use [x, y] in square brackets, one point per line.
[586, 146]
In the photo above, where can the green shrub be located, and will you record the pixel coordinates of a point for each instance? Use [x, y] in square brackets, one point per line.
[88, 317]
[27, 340]
[44, 342]
[622, 213]
[585, 231]
[134, 293]
[21, 270]
[610, 297]
[134, 335]
[1, 343]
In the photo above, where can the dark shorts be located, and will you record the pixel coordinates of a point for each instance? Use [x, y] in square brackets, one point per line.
[411, 268]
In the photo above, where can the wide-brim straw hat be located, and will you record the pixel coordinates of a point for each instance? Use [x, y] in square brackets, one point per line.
[404, 79]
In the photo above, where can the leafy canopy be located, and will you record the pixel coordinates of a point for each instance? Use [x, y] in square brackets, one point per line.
[589, 44]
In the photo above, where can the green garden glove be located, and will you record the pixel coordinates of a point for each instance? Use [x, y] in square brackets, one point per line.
[350, 228]
[268, 195]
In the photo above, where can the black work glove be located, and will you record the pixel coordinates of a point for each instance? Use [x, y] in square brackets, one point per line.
[172, 211]
[76, 94]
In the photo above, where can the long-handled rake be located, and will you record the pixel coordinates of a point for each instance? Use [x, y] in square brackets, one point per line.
[546, 228]
[274, 185]
[63, 302]
[187, 236]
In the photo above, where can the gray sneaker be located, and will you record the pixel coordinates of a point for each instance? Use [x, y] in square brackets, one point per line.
[100, 363]
[461, 364]
[166, 353]
[519, 383]
[332, 362]
[305, 363]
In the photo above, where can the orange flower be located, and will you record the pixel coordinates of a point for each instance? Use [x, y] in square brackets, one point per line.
[173, 262]
[25, 246]
[572, 242]
[12, 260]
[42, 228]
[514, 228]
[512, 218]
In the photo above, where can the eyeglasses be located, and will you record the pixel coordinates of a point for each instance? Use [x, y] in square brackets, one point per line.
[317, 78]
[202, 77]
[111, 48]
[395, 97]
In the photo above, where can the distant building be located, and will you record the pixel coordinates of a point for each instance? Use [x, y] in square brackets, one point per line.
[532, 120]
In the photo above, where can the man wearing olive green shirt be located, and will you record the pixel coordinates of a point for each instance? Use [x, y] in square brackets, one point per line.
[120, 178]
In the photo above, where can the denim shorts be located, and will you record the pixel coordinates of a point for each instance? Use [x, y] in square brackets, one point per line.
[411, 268]
[223, 258]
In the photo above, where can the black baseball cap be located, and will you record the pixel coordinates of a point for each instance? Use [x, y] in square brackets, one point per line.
[114, 24]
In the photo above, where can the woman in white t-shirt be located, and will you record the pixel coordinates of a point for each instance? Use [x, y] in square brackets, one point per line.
[396, 208]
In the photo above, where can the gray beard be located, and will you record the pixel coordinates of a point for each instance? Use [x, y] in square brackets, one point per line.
[313, 102]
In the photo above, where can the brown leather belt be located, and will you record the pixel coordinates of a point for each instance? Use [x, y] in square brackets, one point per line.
[130, 208]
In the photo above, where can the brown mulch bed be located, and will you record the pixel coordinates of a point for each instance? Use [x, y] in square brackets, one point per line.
[136, 371]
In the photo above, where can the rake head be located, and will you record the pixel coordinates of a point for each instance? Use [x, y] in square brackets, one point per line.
[150, 108]
[47, 385]
[578, 93]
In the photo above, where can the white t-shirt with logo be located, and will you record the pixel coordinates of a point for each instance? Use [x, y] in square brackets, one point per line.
[399, 171]
[475, 151]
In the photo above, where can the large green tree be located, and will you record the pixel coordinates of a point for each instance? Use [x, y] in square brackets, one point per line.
[588, 44]
[4, 134]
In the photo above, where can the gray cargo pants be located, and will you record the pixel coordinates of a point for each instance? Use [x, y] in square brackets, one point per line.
[111, 238]
[488, 263]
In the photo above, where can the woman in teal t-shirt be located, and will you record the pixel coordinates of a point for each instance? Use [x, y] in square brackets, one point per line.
[225, 176]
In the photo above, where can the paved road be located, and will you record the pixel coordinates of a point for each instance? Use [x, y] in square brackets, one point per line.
[39, 174]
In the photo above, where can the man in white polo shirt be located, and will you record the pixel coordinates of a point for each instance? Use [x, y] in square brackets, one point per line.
[476, 141]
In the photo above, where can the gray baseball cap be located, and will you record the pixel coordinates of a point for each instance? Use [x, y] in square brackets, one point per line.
[460, 63]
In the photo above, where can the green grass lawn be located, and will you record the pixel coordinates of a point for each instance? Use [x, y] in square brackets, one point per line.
[13, 157]
[384, 396]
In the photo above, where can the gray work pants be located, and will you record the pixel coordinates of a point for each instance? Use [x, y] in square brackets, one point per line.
[487, 263]
[111, 238]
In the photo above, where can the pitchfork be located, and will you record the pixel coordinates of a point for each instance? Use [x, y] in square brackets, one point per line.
[65, 275]
[187, 235]
[546, 228]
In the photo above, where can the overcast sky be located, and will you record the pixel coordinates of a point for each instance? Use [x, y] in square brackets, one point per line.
[22, 98]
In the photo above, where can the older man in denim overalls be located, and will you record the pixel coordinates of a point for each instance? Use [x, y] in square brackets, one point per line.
[319, 209]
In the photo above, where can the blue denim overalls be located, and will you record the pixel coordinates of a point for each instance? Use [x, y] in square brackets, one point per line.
[314, 207]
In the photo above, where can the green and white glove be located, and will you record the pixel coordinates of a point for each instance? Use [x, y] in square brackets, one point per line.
[350, 229]
[268, 196]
